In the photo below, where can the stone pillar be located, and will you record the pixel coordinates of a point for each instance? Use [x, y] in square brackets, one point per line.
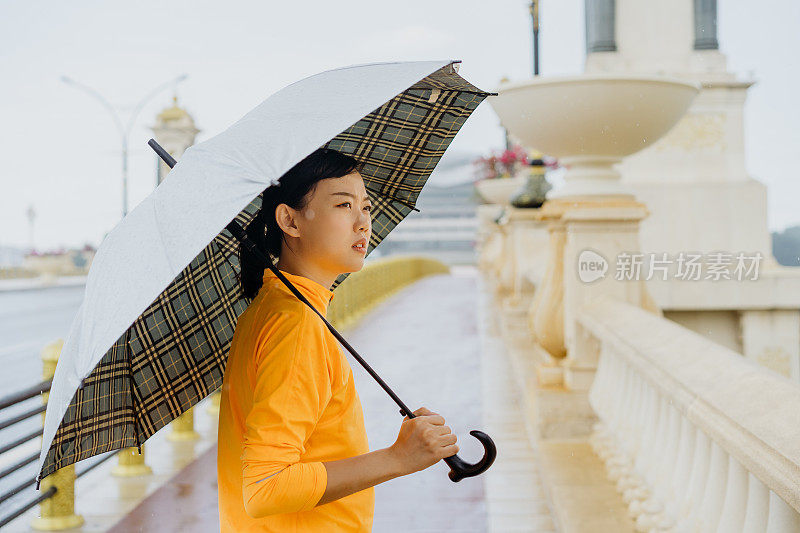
[213, 404]
[771, 337]
[58, 511]
[600, 25]
[131, 463]
[584, 233]
[183, 427]
[705, 25]
[597, 231]
[529, 241]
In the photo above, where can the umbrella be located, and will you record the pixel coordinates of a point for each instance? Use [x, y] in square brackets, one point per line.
[152, 334]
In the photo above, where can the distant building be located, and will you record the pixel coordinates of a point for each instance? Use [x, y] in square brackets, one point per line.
[61, 263]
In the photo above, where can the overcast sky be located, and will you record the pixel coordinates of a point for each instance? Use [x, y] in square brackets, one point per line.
[60, 151]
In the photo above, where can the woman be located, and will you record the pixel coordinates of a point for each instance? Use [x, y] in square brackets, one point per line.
[293, 453]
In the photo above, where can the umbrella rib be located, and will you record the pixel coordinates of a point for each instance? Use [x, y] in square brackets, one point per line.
[129, 354]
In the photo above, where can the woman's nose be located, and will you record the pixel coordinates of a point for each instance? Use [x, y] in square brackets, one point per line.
[364, 221]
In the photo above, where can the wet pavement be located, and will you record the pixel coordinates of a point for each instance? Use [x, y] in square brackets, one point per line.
[193, 490]
[424, 343]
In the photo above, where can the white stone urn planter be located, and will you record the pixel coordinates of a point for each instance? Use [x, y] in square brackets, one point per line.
[591, 122]
[499, 190]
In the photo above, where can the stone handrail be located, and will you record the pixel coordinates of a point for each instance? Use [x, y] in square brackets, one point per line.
[697, 437]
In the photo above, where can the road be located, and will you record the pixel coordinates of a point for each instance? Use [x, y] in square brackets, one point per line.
[29, 319]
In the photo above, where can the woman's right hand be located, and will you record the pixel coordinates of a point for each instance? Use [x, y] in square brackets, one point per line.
[423, 441]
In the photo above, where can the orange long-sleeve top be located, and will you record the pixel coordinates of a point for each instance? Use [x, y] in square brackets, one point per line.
[288, 404]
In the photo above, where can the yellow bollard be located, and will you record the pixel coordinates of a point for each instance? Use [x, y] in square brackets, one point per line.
[130, 463]
[58, 511]
[213, 403]
[183, 428]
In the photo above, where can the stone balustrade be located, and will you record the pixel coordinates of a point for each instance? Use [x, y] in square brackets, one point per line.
[696, 437]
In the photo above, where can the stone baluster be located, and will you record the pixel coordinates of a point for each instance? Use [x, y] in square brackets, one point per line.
[653, 508]
[690, 508]
[650, 465]
[757, 511]
[601, 438]
[629, 479]
[714, 492]
[735, 501]
[621, 414]
[546, 315]
[636, 485]
[683, 473]
[621, 466]
[782, 517]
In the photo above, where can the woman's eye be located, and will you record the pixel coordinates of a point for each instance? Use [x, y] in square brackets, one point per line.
[368, 208]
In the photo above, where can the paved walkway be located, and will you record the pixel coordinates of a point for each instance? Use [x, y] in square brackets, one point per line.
[424, 343]
[433, 344]
[515, 496]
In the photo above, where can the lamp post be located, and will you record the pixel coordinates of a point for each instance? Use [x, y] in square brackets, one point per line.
[124, 131]
[31, 213]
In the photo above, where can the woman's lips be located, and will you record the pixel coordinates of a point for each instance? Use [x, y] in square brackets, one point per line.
[360, 249]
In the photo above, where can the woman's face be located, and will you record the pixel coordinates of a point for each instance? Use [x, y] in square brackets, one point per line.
[336, 217]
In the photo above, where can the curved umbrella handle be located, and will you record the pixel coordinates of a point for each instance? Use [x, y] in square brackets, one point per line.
[459, 469]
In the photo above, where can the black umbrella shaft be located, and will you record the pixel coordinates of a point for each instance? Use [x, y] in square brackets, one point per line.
[239, 233]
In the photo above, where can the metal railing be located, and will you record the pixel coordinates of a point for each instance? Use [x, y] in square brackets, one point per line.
[7, 403]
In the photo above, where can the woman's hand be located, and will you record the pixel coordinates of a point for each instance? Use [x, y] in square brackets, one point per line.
[422, 441]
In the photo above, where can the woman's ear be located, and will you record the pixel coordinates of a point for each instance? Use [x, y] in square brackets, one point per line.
[285, 216]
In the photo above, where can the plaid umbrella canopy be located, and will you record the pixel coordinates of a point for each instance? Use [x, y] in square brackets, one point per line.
[151, 337]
